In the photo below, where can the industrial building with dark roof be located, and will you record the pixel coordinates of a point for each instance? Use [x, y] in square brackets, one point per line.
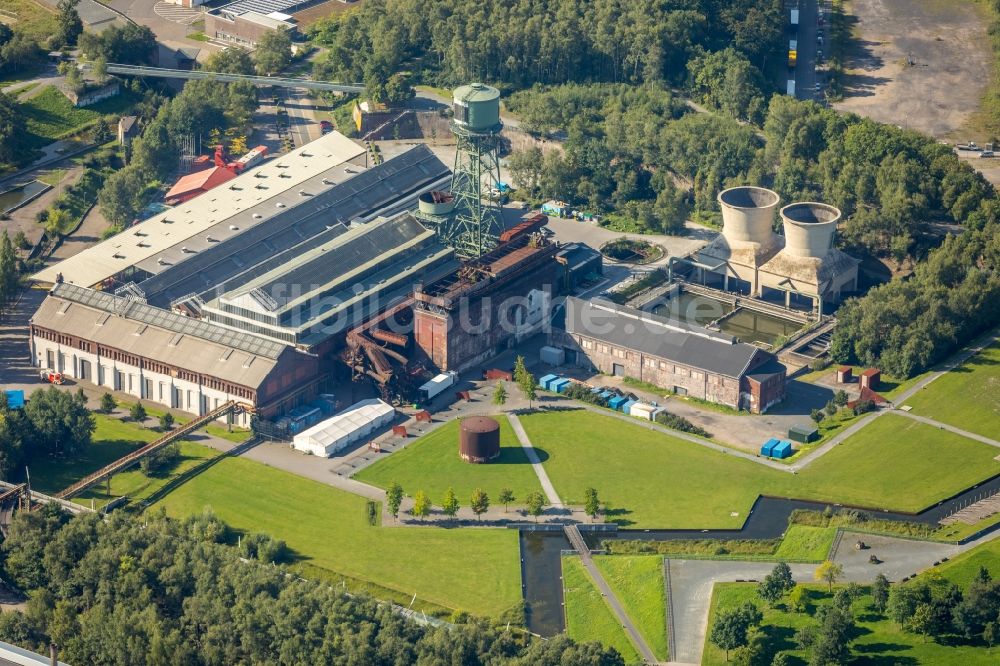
[685, 359]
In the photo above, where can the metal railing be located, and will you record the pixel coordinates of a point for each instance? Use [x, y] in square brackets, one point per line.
[277, 81]
[127, 461]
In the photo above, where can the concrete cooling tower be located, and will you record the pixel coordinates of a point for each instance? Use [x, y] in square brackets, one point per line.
[747, 214]
[809, 229]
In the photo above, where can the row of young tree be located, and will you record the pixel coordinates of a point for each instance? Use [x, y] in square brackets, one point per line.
[53, 424]
[167, 592]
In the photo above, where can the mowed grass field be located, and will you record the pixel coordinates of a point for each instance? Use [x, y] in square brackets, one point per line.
[639, 585]
[651, 479]
[51, 116]
[476, 570]
[432, 464]
[588, 616]
[876, 640]
[968, 397]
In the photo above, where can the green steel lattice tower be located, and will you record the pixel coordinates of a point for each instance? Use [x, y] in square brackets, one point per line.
[476, 223]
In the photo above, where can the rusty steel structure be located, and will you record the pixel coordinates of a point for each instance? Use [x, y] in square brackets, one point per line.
[380, 354]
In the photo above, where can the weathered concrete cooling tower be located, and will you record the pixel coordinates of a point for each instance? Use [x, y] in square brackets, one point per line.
[809, 229]
[747, 214]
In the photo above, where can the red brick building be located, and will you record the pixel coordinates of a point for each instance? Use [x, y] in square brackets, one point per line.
[688, 360]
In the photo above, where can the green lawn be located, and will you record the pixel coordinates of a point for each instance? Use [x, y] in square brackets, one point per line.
[588, 616]
[650, 479]
[638, 583]
[432, 464]
[477, 570]
[876, 640]
[964, 568]
[959, 531]
[806, 543]
[112, 439]
[51, 116]
[968, 397]
[137, 486]
[33, 19]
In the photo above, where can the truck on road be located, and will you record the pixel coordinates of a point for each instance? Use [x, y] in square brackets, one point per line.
[795, 17]
[790, 89]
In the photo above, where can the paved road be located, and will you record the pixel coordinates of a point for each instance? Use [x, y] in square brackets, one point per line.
[805, 70]
[692, 580]
[302, 123]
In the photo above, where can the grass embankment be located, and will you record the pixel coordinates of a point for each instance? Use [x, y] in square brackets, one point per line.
[476, 570]
[432, 464]
[876, 640]
[650, 479]
[588, 616]
[968, 397]
[984, 124]
[801, 543]
[33, 19]
[638, 583]
[50, 116]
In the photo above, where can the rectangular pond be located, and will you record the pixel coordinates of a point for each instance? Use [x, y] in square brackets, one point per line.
[18, 196]
[741, 322]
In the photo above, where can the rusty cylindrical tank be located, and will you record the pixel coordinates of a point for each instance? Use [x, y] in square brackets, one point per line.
[479, 439]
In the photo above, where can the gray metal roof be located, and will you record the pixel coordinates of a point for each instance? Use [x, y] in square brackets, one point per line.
[264, 6]
[650, 334]
[260, 245]
[165, 319]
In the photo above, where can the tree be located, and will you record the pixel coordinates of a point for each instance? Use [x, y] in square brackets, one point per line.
[74, 79]
[880, 593]
[775, 584]
[57, 223]
[70, 25]
[99, 68]
[729, 630]
[102, 131]
[421, 505]
[506, 497]
[500, 395]
[922, 621]
[831, 408]
[833, 637]
[535, 502]
[991, 633]
[166, 421]
[108, 403]
[830, 572]
[480, 502]
[520, 370]
[781, 659]
[21, 241]
[840, 398]
[816, 415]
[449, 506]
[798, 598]
[231, 60]
[8, 270]
[592, 504]
[393, 498]
[903, 601]
[137, 413]
[12, 129]
[273, 53]
[61, 424]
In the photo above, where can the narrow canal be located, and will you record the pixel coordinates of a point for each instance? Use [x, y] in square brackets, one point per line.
[540, 550]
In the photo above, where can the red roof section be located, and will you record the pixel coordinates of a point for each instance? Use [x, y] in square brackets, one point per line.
[199, 182]
[868, 394]
[870, 372]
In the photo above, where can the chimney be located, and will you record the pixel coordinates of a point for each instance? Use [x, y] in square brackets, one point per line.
[53, 654]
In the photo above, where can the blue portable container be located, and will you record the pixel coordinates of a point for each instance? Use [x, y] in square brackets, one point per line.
[617, 401]
[605, 395]
[782, 449]
[559, 385]
[15, 398]
[627, 406]
[768, 448]
[544, 381]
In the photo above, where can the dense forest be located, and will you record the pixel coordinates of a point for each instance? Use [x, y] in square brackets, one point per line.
[522, 42]
[165, 592]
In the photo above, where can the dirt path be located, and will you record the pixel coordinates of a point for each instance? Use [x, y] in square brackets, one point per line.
[947, 44]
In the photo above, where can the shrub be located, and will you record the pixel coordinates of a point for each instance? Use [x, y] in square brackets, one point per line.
[161, 459]
[680, 423]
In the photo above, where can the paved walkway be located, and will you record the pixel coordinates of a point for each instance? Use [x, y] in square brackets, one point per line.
[957, 360]
[949, 428]
[574, 537]
[536, 464]
[692, 580]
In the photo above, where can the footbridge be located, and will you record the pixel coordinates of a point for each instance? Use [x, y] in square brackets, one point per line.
[230, 408]
[277, 81]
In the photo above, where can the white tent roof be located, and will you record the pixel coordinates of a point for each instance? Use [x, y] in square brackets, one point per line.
[343, 426]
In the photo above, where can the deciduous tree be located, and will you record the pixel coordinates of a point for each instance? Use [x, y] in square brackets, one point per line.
[830, 572]
[449, 506]
[421, 505]
[393, 498]
[480, 503]
[506, 497]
